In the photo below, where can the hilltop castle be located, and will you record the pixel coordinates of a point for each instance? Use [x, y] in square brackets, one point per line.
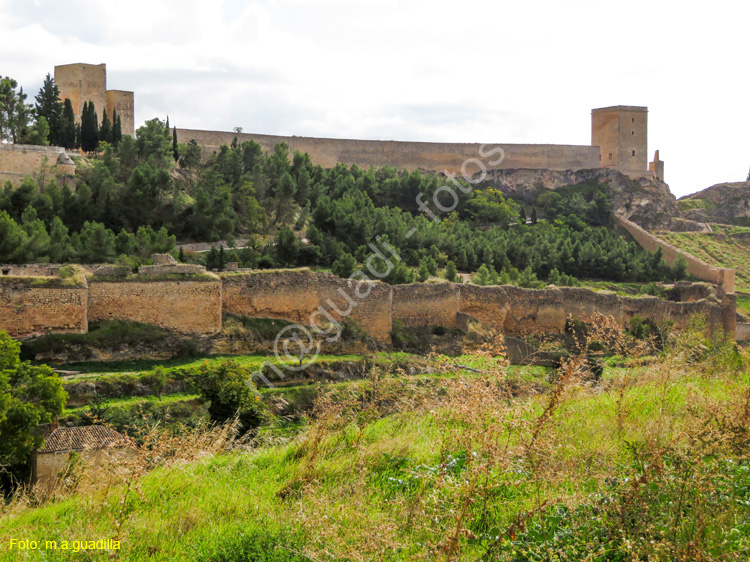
[619, 137]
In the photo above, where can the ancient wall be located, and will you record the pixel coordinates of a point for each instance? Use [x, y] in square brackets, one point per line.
[743, 331]
[28, 307]
[286, 294]
[426, 304]
[724, 277]
[20, 160]
[81, 83]
[368, 304]
[124, 103]
[189, 306]
[299, 295]
[409, 155]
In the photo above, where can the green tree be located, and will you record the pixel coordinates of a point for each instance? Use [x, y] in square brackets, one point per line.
[15, 113]
[423, 273]
[344, 266]
[156, 380]
[175, 151]
[212, 259]
[287, 246]
[116, 128]
[68, 126]
[89, 127]
[97, 243]
[105, 132]
[49, 106]
[38, 134]
[190, 156]
[154, 143]
[29, 395]
[229, 391]
[450, 272]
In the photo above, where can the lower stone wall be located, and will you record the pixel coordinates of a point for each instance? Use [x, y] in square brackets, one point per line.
[286, 294]
[20, 160]
[724, 277]
[426, 304]
[192, 307]
[309, 298]
[27, 310]
[195, 306]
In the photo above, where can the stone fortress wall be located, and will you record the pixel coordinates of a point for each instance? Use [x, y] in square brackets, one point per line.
[619, 141]
[195, 304]
[20, 160]
[433, 156]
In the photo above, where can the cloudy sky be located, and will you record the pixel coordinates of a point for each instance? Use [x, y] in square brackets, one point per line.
[470, 71]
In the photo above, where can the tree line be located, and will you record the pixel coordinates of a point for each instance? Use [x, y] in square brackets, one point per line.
[51, 121]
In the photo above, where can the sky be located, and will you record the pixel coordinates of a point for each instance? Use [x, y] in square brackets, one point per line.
[472, 71]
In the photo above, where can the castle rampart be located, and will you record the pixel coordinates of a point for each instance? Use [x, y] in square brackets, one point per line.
[432, 156]
[20, 160]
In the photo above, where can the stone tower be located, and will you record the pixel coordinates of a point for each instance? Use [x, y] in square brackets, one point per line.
[621, 133]
[88, 82]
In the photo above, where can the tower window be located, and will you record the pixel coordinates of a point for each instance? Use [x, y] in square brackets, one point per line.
[632, 132]
[610, 156]
[632, 119]
[634, 153]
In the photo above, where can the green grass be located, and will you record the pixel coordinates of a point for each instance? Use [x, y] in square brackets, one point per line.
[372, 478]
[131, 401]
[717, 248]
[108, 333]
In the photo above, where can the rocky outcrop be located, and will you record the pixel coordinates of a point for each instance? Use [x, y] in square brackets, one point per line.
[727, 203]
[646, 201]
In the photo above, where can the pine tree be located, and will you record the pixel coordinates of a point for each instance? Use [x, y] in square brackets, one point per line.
[49, 106]
[450, 272]
[105, 133]
[222, 258]
[212, 259]
[68, 137]
[175, 151]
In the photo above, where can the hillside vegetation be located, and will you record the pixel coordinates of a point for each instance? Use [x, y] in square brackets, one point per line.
[650, 463]
[726, 246]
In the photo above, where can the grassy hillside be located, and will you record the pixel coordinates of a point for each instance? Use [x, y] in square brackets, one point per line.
[651, 463]
[727, 246]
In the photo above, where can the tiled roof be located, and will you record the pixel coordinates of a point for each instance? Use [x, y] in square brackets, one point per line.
[80, 438]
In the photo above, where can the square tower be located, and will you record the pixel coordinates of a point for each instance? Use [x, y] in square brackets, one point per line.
[123, 102]
[621, 133]
[82, 83]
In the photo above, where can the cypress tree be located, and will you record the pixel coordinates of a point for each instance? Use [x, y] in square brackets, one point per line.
[68, 138]
[181, 257]
[78, 136]
[105, 133]
[89, 127]
[175, 152]
[49, 106]
[116, 128]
